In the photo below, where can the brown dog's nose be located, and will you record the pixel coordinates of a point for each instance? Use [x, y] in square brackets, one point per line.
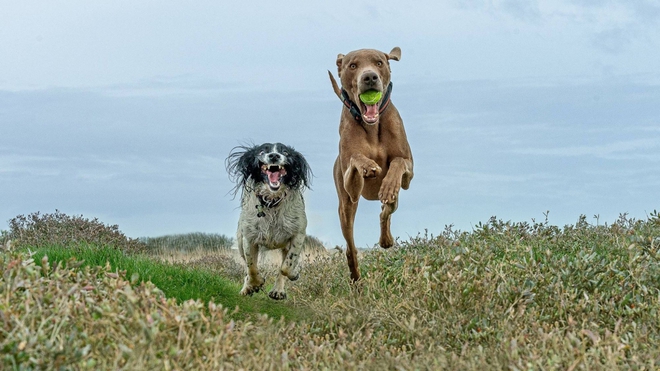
[370, 78]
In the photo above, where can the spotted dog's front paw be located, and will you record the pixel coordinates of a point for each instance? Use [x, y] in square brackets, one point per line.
[252, 286]
[277, 295]
[293, 274]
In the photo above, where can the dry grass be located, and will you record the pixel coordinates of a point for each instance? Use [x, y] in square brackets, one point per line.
[187, 242]
[228, 262]
[505, 296]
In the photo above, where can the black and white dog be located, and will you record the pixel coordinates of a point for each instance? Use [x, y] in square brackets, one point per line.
[272, 178]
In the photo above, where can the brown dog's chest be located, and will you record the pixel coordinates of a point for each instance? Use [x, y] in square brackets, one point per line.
[378, 142]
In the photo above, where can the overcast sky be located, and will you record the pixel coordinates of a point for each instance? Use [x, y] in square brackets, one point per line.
[126, 110]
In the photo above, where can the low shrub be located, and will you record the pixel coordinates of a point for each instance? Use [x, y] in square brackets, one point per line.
[58, 229]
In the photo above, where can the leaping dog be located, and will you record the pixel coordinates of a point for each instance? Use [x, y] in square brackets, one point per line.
[272, 178]
[374, 159]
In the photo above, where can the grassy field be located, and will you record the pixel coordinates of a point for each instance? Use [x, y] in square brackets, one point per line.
[506, 295]
[176, 281]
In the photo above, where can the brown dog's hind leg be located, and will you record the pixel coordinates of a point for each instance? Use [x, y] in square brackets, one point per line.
[349, 188]
[398, 176]
[386, 240]
[347, 210]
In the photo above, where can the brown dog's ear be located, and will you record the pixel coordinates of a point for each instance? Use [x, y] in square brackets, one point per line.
[340, 59]
[395, 54]
[335, 87]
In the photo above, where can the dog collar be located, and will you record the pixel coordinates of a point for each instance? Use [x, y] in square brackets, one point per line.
[264, 203]
[355, 110]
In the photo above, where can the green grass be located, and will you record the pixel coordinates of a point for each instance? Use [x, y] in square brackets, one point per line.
[176, 281]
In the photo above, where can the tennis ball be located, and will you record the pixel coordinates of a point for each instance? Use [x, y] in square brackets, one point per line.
[370, 97]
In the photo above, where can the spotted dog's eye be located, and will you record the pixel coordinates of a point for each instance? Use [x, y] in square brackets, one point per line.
[353, 66]
[285, 153]
[261, 153]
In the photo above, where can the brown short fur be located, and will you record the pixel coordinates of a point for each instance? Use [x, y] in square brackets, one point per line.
[374, 159]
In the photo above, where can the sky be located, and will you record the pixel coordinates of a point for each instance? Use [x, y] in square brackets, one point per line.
[126, 110]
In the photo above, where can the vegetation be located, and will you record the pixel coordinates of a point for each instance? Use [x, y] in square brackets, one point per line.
[41, 230]
[188, 242]
[176, 281]
[503, 296]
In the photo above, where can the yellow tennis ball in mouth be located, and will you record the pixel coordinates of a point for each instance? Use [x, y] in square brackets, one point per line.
[371, 97]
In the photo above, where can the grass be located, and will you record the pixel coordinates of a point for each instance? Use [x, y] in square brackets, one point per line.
[176, 281]
[506, 295]
[187, 242]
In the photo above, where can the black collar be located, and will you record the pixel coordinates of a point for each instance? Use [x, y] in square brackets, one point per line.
[265, 203]
[355, 111]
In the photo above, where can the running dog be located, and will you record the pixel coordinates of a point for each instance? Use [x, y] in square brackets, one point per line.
[375, 160]
[272, 178]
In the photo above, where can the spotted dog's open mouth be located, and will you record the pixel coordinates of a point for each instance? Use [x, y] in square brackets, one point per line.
[274, 174]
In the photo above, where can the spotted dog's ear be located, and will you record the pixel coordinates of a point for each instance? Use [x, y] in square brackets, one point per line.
[395, 54]
[301, 173]
[242, 164]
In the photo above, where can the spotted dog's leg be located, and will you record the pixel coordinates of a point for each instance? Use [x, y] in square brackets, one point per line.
[253, 280]
[278, 291]
[290, 268]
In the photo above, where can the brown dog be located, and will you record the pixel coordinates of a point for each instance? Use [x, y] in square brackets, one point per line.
[374, 158]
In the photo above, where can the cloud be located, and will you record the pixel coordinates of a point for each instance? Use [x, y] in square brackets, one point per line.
[630, 149]
[522, 9]
[618, 24]
[614, 40]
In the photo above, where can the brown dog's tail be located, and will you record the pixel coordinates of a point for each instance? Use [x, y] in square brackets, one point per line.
[335, 87]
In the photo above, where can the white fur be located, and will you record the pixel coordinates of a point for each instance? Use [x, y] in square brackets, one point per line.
[282, 227]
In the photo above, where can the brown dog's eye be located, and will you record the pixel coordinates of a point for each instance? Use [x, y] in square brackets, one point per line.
[353, 66]
[379, 63]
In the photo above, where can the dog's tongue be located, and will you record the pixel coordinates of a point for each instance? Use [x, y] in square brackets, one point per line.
[372, 111]
[273, 177]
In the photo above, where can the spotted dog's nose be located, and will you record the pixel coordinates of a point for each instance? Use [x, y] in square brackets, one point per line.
[274, 157]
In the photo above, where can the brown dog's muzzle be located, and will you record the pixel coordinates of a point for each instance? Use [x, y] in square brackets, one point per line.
[369, 80]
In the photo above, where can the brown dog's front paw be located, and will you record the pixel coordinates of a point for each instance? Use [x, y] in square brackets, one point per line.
[367, 168]
[389, 191]
[371, 172]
